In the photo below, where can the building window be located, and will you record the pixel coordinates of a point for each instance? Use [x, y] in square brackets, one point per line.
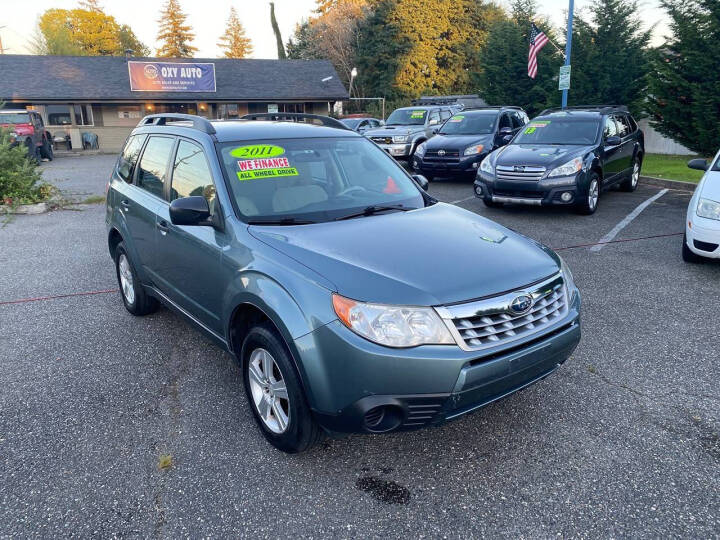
[58, 115]
[83, 115]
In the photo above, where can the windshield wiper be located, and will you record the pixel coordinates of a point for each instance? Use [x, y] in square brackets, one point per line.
[283, 221]
[374, 209]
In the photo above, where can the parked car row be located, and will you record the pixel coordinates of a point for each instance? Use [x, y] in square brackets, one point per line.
[563, 157]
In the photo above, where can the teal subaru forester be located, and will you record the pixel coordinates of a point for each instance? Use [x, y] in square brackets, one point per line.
[352, 299]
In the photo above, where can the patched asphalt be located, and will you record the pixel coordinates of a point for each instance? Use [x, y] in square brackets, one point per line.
[620, 441]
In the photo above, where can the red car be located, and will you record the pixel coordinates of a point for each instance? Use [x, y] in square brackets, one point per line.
[29, 130]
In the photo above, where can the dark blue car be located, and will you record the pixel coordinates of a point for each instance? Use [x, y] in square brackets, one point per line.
[465, 140]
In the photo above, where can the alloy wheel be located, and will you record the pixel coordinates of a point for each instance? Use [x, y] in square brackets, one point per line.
[635, 174]
[593, 193]
[269, 391]
[126, 279]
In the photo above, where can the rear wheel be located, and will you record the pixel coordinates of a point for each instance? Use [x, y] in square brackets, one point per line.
[688, 255]
[631, 183]
[588, 204]
[46, 150]
[136, 300]
[273, 389]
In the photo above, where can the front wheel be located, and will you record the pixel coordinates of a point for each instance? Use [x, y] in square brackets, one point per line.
[136, 300]
[46, 150]
[273, 389]
[588, 204]
[688, 255]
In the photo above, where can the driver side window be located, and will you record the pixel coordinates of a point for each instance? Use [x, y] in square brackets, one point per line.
[434, 118]
[505, 121]
[610, 129]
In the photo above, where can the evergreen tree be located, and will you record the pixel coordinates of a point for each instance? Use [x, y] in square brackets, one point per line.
[175, 36]
[685, 81]
[301, 46]
[276, 30]
[610, 56]
[503, 72]
[234, 41]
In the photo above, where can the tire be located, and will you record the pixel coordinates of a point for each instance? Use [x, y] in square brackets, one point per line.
[32, 151]
[136, 300]
[589, 203]
[631, 184]
[492, 204]
[46, 150]
[274, 392]
[688, 255]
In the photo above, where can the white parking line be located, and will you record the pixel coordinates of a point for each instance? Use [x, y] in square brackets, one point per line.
[462, 200]
[625, 222]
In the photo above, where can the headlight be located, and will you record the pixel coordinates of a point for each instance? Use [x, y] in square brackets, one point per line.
[570, 168]
[399, 138]
[486, 167]
[472, 150]
[708, 209]
[392, 326]
[420, 150]
[567, 275]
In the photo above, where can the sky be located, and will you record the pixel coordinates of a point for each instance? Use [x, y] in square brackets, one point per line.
[207, 17]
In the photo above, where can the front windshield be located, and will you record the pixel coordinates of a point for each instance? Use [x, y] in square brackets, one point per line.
[352, 123]
[470, 124]
[560, 131]
[314, 179]
[407, 117]
[14, 118]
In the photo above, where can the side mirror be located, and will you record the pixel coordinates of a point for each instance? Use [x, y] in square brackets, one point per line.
[190, 211]
[699, 164]
[421, 181]
[382, 122]
[613, 141]
[434, 131]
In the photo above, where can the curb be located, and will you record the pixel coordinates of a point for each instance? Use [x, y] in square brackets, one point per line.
[670, 184]
[27, 209]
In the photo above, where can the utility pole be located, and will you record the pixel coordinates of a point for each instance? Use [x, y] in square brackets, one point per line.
[568, 47]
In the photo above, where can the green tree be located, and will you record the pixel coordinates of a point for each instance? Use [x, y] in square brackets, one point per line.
[20, 180]
[234, 41]
[685, 81]
[276, 30]
[610, 56]
[301, 45]
[503, 73]
[174, 35]
[128, 41]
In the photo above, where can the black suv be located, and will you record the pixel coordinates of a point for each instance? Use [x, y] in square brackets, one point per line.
[565, 157]
[466, 139]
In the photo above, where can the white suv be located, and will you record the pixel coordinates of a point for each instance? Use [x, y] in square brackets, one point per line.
[702, 228]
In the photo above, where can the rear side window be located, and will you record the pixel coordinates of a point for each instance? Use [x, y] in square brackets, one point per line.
[445, 114]
[191, 174]
[128, 158]
[517, 120]
[153, 165]
[633, 124]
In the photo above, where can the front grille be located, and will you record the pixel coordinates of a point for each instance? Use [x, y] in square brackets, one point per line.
[491, 322]
[518, 194]
[519, 172]
[382, 140]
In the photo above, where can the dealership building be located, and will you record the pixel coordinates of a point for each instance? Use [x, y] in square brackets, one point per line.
[106, 96]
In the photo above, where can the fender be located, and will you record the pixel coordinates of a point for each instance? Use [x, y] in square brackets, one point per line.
[116, 221]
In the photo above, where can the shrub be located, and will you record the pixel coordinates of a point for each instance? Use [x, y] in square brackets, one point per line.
[20, 180]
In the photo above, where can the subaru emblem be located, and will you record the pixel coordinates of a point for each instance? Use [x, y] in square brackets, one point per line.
[441, 152]
[519, 168]
[520, 305]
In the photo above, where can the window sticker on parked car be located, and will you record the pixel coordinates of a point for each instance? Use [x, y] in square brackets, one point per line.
[251, 169]
[457, 118]
[257, 151]
[533, 125]
[417, 114]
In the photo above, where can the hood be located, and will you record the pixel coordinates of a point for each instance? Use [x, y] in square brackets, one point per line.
[389, 131]
[711, 186]
[458, 142]
[539, 155]
[431, 256]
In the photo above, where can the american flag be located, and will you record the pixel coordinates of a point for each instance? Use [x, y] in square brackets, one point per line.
[538, 39]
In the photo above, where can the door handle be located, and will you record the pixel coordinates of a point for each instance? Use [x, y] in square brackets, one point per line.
[125, 203]
[163, 226]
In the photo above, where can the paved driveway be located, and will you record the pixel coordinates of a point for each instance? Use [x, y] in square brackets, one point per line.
[621, 441]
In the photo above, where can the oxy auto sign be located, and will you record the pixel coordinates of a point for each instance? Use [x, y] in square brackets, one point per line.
[171, 77]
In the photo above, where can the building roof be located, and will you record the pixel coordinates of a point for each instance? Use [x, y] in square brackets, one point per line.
[105, 78]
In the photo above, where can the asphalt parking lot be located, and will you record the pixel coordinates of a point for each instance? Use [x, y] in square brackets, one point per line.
[621, 441]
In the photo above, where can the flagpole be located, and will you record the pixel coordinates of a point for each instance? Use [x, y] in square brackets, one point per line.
[568, 47]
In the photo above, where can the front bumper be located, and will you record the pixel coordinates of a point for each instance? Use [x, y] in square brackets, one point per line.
[356, 386]
[703, 237]
[545, 192]
[398, 150]
[452, 166]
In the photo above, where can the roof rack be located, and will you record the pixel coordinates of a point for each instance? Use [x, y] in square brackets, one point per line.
[599, 108]
[297, 117]
[198, 122]
[485, 107]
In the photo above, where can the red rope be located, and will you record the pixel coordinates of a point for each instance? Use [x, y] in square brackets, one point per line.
[41, 298]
